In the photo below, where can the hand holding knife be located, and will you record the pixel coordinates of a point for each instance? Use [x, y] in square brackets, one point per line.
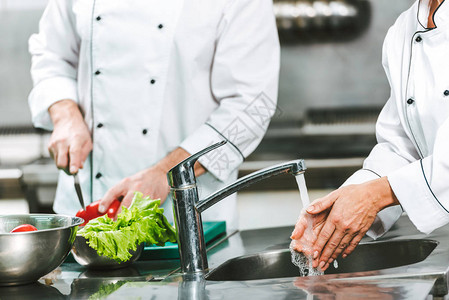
[78, 190]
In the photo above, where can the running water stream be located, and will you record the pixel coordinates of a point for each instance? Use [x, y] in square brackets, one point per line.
[301, 181]
[302, 261]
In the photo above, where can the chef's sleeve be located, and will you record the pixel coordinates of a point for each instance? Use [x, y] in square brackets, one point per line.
[422, 186]
[244, 81]
[54, 52]
[394, 150]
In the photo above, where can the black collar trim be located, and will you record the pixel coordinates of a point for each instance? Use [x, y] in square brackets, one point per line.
[433, 16]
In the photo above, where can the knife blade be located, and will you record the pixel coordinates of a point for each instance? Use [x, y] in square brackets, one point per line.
[78, 190]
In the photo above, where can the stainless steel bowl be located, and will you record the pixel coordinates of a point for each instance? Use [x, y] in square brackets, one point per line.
[88, 257]
[27, 256]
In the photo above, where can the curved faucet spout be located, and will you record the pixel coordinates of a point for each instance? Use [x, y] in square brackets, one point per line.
[187, 206]
[294, 167]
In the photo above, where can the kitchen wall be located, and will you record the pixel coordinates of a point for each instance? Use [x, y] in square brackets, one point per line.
[18, 20]
[18, 142]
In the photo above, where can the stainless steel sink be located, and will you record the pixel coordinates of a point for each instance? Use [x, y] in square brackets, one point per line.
[366, 257]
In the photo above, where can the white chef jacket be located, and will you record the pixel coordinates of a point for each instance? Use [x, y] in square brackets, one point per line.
[413, 127]
[150, 76]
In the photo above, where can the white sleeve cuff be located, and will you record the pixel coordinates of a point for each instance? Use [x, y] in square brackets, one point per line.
[385, 219]
[220, 162]
[422, 207]
[361, 176]
[47, 92]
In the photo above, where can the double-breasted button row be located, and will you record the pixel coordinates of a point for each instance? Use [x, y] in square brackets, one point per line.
[160, 26]
[98, 72]
[144, 131]
[411, 100]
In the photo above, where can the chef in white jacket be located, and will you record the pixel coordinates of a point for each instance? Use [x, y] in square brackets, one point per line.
[409, 167]
[131, 88]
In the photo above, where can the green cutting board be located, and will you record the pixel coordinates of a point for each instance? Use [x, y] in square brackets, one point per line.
[212, 230]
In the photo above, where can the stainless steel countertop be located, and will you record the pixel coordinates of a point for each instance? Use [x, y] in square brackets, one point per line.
[415, 281]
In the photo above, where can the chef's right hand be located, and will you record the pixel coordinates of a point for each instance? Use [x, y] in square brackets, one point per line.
[71, 142]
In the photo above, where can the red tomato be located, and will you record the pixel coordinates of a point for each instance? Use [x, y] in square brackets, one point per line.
[91, 211]
[83, 215]
[24, 228]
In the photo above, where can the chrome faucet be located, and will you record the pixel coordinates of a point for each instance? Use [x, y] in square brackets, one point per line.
[188, 208]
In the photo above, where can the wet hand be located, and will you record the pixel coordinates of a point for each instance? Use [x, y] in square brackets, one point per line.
[353, 210]
[306, 231]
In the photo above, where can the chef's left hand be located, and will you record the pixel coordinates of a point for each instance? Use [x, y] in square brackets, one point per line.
[306, 231]
[354, 209]
[150, 182]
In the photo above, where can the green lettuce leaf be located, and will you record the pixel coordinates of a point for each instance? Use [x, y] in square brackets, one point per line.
[143, 221]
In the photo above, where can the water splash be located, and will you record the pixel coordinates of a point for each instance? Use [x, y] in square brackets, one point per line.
[304, 263]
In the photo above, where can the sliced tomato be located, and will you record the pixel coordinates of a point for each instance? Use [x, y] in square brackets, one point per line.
[24, 228]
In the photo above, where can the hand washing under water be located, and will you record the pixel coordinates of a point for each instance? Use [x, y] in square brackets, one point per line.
[301, 249]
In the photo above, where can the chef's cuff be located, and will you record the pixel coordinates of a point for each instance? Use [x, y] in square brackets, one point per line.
[361, 176]
[386, 218]
[46, 93]
[220, 162]
[410, 186]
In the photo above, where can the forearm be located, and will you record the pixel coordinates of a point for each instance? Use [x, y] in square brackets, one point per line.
[175, 157]
[382, 194]
[65, 110]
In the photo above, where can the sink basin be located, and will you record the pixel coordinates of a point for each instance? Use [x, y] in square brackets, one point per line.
[366, 257]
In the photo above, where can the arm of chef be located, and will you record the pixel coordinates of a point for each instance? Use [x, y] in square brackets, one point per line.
[244, 80]
[393, 151]
[54, 52]
[422, 186]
